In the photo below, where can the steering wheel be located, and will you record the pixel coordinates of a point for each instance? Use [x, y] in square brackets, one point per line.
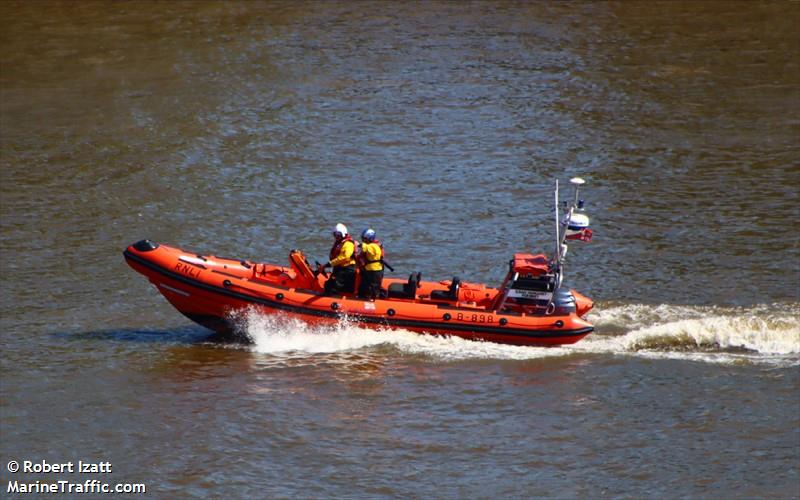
[320, 270]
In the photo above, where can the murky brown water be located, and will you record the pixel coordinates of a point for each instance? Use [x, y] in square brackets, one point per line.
[247, 129]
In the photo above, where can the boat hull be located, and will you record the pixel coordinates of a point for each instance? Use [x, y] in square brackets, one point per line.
[210, 291]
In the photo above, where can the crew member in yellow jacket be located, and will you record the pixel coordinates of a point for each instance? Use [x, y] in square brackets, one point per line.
[370, 260]
[343, 261]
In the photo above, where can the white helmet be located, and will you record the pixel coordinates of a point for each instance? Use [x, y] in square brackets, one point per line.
[341, 229]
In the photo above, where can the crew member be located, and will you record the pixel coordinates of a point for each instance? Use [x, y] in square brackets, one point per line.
[370, 261]
[342, 259]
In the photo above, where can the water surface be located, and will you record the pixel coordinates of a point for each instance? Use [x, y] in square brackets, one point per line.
[247, 129]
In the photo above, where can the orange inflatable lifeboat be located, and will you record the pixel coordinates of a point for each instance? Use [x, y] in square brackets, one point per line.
[529, 308]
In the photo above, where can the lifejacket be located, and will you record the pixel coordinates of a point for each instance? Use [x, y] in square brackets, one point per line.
[363, 261]
[337, 248]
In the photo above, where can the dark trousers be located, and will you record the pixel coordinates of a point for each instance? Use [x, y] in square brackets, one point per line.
[370, 287]
[342, 280]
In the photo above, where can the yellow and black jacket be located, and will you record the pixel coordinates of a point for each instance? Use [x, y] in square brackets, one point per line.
[372, 256]
[343, 253]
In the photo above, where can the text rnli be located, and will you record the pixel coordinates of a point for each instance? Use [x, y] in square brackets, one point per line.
[187, 270]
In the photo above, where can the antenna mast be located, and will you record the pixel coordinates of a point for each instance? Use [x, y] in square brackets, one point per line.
[561, 226]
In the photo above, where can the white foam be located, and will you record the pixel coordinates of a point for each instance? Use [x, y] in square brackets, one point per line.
[773, 329]
[762, 334]
[277, 334]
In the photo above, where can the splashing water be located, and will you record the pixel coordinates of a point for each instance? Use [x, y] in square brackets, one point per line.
[277, 334]
[762, 334]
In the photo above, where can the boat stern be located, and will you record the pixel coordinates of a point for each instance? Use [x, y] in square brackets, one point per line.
[583, 304]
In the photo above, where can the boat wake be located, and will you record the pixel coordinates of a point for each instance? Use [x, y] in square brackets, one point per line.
[766, 334]
[760, 334]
